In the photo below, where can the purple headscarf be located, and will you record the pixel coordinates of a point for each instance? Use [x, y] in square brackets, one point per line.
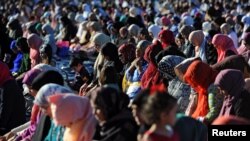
[232, 81]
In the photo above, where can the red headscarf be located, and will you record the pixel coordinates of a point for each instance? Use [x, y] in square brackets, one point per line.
[151, 76]
[167, 38]
[223, 43]
[4, 73]
[128, 50]
[200, 76]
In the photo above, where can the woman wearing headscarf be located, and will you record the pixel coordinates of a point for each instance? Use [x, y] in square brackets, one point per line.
[116, 122]
[245, 45]
[126, 54]
[18, 59]
[154, 30]
[209, 101]
[224, 46]
[49, 37]
[46, 129]
[68, 29]
[79, 122]
[237, 62]
[131, 84]
[202, 48]
[133, 31]
[23, 47]
[176, 88]
[40, 80]
[188, 49]
[111, 57]
[99, 40]
[34, 42]
[236, 98]
[167, 38]
[12, 102]
[151, 76]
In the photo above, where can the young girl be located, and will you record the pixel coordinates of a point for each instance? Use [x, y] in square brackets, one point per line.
[160, 112]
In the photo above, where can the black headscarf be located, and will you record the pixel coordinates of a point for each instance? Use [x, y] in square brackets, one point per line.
[47, 77]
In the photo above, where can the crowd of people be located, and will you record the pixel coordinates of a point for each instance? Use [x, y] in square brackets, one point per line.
[145, 70]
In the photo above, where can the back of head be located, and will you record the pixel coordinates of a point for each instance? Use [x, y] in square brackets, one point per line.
[46, 52]
[108, 75]
[110, 101]
[157, 103]
[22, 44]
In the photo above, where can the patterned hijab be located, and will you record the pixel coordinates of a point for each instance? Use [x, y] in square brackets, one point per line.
[47, 90]
[223, 43]
[167, 64]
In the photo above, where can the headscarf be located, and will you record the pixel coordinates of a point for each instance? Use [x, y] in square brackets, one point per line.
[134, 30]
[30, 76]
[47, 90]
[182, 67]
[47, 77]
[242, 49]
[232, 81]
[74, 110]
[142, 45]
[167, 38]
[206, 26]
[167, 64]
[34, 42]
[200, 76]
[4, 74]
[196, 37]
[230, 120]
[155, 30]
[237, 62]
[100, 39]
[187, 20]
[151, 76]
[128, 50]
[223, 43]
[186, 30]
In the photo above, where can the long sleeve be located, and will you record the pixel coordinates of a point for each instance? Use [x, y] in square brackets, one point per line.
[215, 101]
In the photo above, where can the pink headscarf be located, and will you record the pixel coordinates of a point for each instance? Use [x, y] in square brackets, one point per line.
[75, 113]
[34, 42]
[223, 43]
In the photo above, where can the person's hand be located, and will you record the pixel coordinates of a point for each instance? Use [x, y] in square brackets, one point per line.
[3, 138]
[83, 89]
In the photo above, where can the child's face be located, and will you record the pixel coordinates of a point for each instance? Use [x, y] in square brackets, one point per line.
[169, 118]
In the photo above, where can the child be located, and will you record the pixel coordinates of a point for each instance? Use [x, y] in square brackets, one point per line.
[160, 112]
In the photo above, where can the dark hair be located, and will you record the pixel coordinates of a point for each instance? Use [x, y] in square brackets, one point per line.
[22, 44]
[108, 75]
[46, 77]
[46, 52]
[141, 98]
[74, 61]
[110, 101]
[157, 103]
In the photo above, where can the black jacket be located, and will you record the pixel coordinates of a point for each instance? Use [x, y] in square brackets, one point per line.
[12, 107]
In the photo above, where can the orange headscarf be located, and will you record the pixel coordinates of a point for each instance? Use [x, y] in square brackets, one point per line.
[200, 76]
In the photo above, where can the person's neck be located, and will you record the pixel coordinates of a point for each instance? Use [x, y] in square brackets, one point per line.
[159, 129]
